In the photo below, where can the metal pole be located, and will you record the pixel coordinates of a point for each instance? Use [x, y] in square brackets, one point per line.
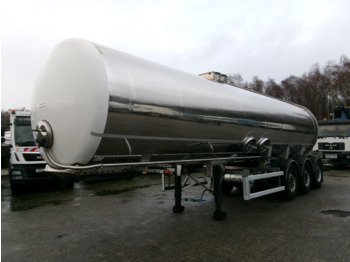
[178, 208]
[217, 174]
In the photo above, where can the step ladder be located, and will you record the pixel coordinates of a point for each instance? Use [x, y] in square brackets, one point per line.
[247, 178]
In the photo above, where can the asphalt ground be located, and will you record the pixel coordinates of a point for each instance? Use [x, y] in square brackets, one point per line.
[132, 220]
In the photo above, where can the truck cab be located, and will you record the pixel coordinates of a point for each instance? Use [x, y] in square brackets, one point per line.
[333, 143]
[341, 112]
[26, 163]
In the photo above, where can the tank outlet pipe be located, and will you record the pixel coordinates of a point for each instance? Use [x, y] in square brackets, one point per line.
[232, 178]
[145, 163]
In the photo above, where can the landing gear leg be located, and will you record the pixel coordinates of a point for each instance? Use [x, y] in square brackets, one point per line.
[217, 175]
[178, 208]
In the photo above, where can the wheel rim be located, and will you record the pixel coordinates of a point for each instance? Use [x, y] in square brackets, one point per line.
[292, 182]
[307, 177]
[318, 174]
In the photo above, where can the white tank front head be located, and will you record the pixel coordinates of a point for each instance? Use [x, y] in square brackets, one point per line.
[71, 99]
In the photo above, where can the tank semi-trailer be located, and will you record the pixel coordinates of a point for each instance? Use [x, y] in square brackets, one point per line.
[96, 109]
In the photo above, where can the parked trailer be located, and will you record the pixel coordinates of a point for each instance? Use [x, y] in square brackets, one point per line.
[95, 108]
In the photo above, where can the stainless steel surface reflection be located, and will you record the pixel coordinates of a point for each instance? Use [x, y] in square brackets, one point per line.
[158, 113]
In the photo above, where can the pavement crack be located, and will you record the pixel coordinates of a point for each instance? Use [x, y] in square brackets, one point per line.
[336, 213]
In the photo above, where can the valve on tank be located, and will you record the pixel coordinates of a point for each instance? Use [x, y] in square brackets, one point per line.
[249, 144]
[44, 134]
[263, 144]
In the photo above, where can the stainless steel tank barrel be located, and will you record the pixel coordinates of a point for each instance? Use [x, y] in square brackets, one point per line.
[94, 104]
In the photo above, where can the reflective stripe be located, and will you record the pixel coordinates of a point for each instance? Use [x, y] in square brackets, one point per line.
[29, 149]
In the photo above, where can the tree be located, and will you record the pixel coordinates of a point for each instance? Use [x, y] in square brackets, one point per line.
[290, 86]
[257, 85]
[236, 80]
[339, 80]
[5, 120]
[273, 89]
[318, 84]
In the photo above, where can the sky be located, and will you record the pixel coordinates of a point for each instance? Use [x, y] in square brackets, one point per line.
[271, 39]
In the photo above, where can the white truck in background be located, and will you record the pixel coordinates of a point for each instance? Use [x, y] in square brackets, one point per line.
[333, 143]
[26, 163]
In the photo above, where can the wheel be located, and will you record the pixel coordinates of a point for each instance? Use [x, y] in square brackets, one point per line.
[226, 187]
[291, 180]
[306, 177]
[69, 184]
[317, 177]
[239, 186]
[16, 189]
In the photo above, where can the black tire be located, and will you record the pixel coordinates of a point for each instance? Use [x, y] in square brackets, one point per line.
[69, 184]
[317, 178]
[226, 187]
[238, 186]
[16, 189]
[291, 180]
[306, 175]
